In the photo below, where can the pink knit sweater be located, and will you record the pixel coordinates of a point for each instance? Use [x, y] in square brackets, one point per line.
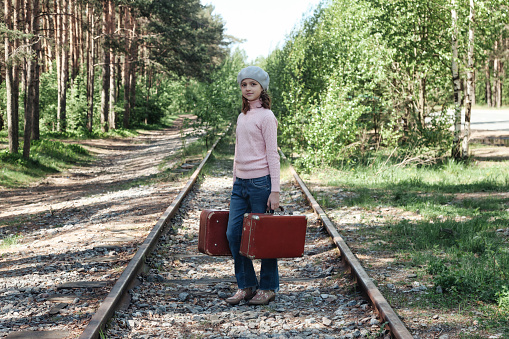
[256, 152]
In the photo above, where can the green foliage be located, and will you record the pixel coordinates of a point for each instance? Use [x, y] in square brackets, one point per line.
[503, 298]
[185, 38]
[160, 98]
[360, 75]
[333, 127]
[11, 158]
[218, 101]
[57, 149]
[330, 77]
[47, 156]
[48, 101]
[76, 108]
[162, 102]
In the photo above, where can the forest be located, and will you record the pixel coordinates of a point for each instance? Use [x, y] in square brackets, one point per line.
[352, 78]
[76, 68]
[366, 75]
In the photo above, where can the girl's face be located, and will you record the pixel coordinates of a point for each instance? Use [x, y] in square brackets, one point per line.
[251, 89]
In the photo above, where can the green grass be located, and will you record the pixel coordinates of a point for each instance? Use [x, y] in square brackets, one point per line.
[453, 239]
[46, 157]
[10, 240]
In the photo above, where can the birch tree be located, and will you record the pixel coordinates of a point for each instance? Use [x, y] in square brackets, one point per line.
[470, 79]
[456, 82]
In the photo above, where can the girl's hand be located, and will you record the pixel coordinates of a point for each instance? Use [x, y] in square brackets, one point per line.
[273, 201]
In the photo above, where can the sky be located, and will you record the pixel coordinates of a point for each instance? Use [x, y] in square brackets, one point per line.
[264, 24]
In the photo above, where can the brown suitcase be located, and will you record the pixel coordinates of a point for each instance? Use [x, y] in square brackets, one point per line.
[212, 235]
[267, 236]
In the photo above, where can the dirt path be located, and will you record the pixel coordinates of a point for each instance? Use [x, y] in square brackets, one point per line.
[497, 145]
[100, 196]
[119, 162]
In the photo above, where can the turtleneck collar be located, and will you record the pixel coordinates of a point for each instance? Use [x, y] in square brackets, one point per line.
[255, 104]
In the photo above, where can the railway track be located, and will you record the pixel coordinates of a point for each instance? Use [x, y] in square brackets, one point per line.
[169, 290]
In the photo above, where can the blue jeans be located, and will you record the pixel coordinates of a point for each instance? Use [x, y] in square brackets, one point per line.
[250, 196]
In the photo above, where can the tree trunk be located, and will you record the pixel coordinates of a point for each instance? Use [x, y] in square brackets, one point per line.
[496, 76]
[456, 146]
[113, 95]
[148, 82]
[47, 50]
[498, 83]
[488, 84]
[10, 79]
[44, 26]
[71, 36]
[134, 59]
[470, 79]
[32, 27]
[28, 75]
[58, 54]
[74, 41]
[36, 112]
[90, 67]
[118, 58]
[126, 68]
[105, 95]
[473, 96]
[65, 63]
[502, 76]
[62, 53]
[81, 36]
[16, 69]
[422, 100]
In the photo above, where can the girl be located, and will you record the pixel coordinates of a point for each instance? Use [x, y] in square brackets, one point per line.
[255, 183]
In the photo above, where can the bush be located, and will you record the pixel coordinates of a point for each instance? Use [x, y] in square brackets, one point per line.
[503, 298]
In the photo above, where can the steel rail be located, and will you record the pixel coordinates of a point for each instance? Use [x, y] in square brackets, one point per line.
[396, 326]
[112, 300]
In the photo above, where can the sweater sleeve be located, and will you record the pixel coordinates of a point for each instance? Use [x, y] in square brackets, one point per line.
[269, 132]
[234, 161]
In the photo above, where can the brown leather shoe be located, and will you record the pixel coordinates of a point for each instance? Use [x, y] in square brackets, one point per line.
[246, 294]
[262, 297]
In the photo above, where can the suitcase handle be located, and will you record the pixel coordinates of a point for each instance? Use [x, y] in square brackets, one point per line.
[281, 210]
